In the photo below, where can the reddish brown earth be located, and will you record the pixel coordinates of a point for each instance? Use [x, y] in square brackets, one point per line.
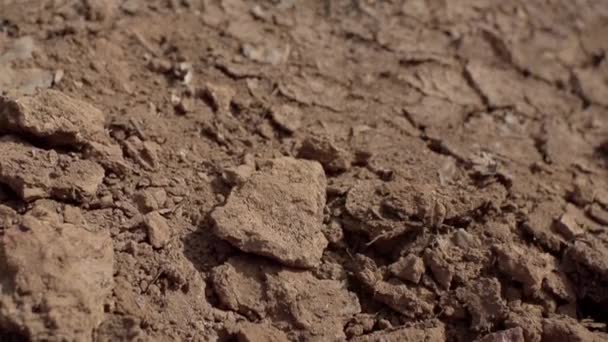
[206, 170]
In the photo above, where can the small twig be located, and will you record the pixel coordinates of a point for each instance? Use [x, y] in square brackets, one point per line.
[158, 274]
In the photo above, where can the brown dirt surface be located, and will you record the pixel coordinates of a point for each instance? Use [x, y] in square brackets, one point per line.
[290, 170]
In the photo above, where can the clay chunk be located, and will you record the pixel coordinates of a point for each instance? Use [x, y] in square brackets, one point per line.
[61, 121]
[278, 213]
[54, 279]
[309, 306]
[34, 173]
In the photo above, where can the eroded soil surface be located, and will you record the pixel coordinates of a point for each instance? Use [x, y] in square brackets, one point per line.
[290, 170]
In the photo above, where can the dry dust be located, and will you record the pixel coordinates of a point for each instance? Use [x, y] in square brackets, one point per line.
[283, 170]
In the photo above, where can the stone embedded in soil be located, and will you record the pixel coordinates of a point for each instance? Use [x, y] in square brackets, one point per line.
[509, 335]
[324, 150]
[287, 117]
[258, 289]
[277, 213]
[54, 278]
[34, 173]
[61, 121]
[426, 331]
[158, 230]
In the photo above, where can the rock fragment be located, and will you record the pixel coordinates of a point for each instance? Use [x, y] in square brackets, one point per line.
[61, 121]
[34, 173]
[324, 150]
[238, 174]
[287, 117]
[567, 226]
[277, 213]
[54, 279]
[159, 231]
[259, 289]
[150, 199]
[410, 268]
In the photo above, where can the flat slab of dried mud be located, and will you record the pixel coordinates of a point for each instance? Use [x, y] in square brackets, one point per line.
[283, 170]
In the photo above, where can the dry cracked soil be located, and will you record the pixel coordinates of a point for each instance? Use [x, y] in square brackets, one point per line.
[304, 170]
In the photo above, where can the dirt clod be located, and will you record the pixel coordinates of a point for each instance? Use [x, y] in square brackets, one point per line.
[409, 268]
[159, 231]
[324, 150]
[34, 173]
[61, 121]
[263, 290]
[62, 296]
[277, 213]
[287, 117]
